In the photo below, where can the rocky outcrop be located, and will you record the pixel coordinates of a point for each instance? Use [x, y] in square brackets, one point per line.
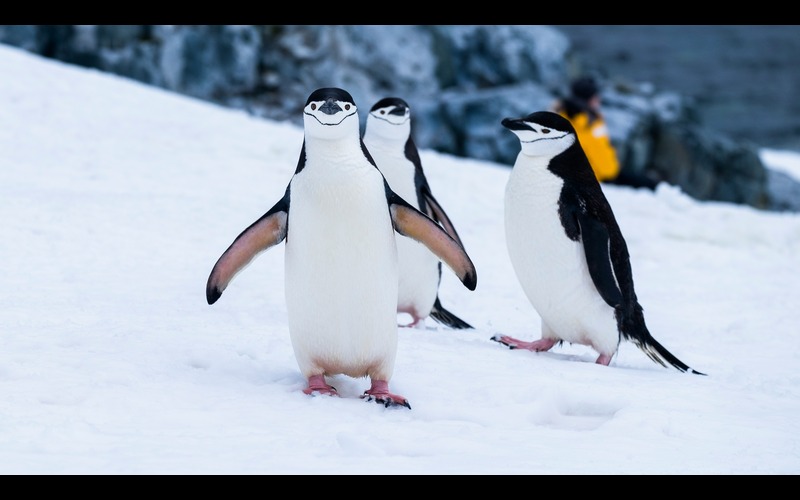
[460, 80]
[657, 134]
[736, 74]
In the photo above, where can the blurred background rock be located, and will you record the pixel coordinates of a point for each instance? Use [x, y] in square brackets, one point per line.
[744, 79]
[690, 105]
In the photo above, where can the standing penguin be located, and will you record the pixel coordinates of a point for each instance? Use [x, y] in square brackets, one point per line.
[338, 216]
[388, 138]
[567, 249]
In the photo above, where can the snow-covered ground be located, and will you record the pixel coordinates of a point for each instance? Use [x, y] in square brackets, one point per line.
[116, 199]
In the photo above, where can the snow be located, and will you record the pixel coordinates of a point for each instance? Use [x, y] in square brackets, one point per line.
[116, 199]
[782, 161]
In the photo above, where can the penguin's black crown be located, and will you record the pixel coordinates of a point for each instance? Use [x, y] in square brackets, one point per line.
[326, 93]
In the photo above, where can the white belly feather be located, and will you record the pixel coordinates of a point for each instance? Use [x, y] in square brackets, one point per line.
[418, 267]
[341, 274]
[551, 268]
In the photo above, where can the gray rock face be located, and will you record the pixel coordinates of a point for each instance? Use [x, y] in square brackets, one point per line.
[734, 73]
[460, 81]
[211, 62]
[468, 123]
[709, 166]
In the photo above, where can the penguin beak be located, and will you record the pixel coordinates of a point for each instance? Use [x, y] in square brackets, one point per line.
[514, 124]
[330, 107]
[399, 111]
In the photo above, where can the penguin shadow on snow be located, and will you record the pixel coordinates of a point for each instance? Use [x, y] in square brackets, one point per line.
[567, 250]
[338, 218]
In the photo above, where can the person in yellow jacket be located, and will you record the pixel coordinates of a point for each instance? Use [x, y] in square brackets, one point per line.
[582, 108]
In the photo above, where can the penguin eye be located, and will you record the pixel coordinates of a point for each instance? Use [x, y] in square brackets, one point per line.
[347, 106]
[545, 130]
[313, 107]
[383, 112]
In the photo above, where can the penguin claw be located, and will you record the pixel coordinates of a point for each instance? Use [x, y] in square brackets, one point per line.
[379, 392]
[541, 345]
[387, 401]
[500, 340]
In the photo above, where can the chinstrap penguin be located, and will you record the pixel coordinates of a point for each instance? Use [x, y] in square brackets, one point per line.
[388, 138]
[338, 217]
[567, 249]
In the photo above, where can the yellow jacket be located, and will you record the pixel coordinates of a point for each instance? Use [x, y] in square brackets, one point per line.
[597, 145]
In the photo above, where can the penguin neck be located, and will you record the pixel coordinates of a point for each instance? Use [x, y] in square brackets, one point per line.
[336, 160]
[390, 142]
[334, 150]
[386, 150]
[534, 170]
[533, 164]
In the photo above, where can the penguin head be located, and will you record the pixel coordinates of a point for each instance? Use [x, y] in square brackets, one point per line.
[390, 118]
[330, 113]
[543, 133]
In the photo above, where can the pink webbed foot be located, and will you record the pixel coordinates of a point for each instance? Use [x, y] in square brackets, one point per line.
[604, 360]
[536, 346]
[379, 392]
[416, 321]
[316, 383]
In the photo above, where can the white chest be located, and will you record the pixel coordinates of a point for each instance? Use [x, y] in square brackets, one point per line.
[397, 169]
[551, 268]
[339, 222]
[534, 234]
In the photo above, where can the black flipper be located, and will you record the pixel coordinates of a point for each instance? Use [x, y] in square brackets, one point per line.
[264, 233]
[596, 247]
[607, 260]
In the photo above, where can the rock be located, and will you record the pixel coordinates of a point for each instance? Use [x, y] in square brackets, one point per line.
[461, 81]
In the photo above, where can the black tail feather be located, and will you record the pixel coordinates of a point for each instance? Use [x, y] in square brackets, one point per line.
[662, 356]
[445, 317]
[633, 328]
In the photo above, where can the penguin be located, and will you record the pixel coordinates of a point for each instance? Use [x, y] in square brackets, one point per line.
[338, 217]
[566, 247]
[387, 135]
